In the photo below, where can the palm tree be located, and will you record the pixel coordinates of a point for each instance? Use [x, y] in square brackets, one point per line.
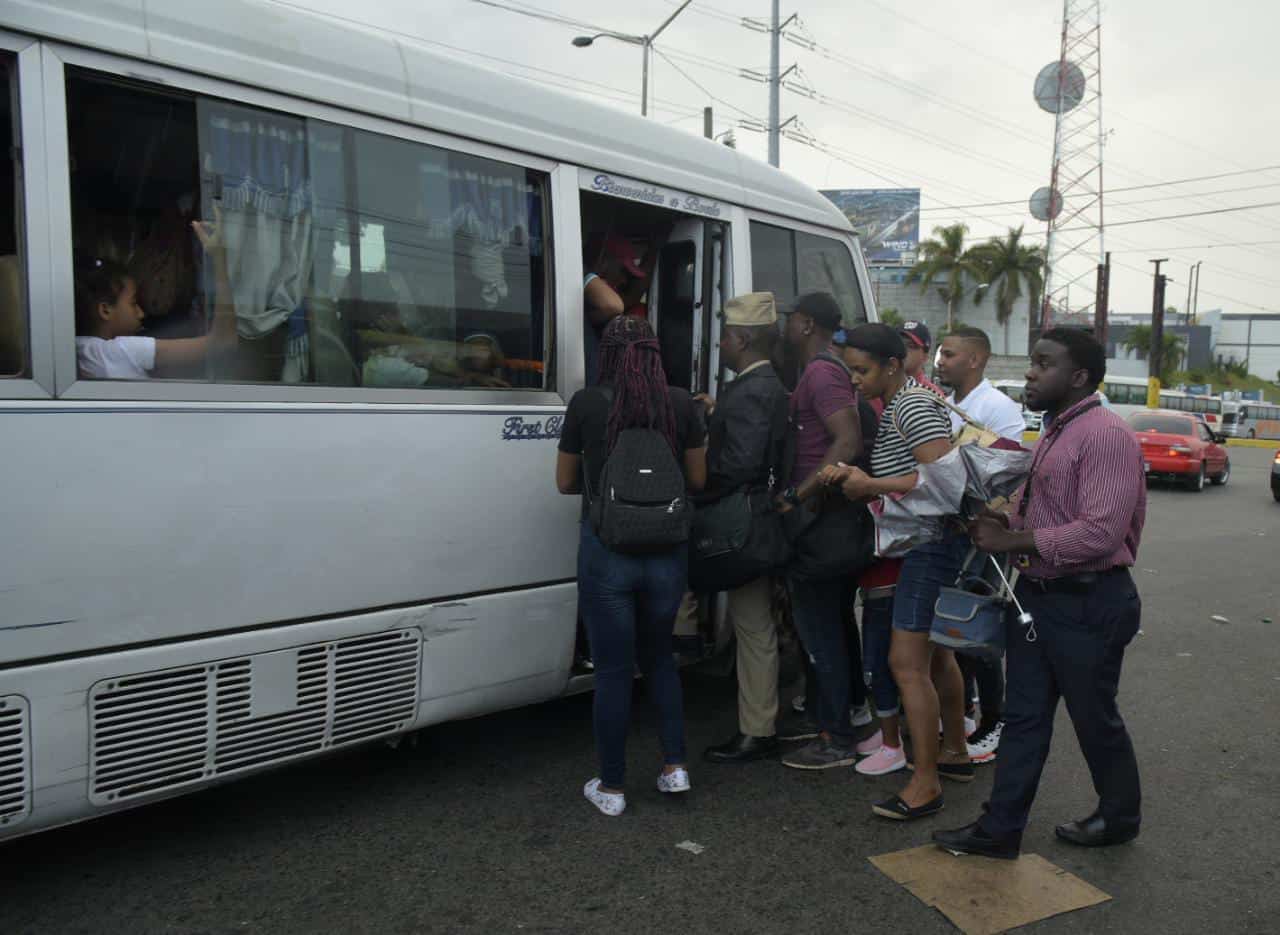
[1139, 341]
[1007, 266]
[945, 262]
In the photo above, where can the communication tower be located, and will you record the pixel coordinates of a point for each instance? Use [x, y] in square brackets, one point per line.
[1071, 89]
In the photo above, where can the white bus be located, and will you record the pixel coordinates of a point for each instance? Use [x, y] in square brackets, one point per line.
[1129, 394]
[348, 527]
[1256, 420]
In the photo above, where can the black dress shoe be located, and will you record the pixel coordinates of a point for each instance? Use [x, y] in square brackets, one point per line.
[971, 839]
[743, 748]
[1094, 832]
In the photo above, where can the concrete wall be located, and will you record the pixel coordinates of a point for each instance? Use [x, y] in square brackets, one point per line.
[1195, 339]
[1255, 338]
[891, 292]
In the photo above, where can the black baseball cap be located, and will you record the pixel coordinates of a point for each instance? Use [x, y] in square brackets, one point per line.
[917, 333]
[822, 307]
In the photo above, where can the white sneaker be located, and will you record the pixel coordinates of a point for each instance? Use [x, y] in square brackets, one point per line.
[611, 803]
[982, 746]
[675, 781]
[970, 725]
[861, 715]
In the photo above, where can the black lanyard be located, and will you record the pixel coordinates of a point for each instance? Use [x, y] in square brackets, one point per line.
[1055, 431]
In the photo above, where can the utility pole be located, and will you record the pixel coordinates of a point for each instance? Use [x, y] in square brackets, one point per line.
[1101, 301]
[775, 86]
[1155, 355]
[1195, 301]
[1186, 309]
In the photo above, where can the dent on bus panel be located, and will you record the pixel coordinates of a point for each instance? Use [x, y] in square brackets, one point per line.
[216, 241]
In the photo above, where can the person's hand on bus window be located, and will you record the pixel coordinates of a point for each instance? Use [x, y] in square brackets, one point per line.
[209, 233]
[188, 352]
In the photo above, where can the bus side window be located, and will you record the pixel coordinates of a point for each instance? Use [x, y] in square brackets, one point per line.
[14, 361]
[354, 258]
[791, 263]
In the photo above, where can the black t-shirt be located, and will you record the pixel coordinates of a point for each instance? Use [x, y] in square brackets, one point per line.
[586, 427]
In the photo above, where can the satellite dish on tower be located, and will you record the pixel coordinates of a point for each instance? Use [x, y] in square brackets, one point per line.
[1060, 87]
[1046, 204]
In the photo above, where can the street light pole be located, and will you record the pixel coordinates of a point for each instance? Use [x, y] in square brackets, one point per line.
[646, 45]
[644, 79]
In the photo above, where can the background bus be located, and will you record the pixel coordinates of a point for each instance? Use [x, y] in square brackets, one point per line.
[1256, 420]
[1127, 395]
[347, 527]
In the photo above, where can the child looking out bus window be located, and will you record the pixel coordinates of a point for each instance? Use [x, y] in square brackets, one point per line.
[108, 318]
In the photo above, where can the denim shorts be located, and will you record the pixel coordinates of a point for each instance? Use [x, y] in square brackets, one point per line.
[925, 571]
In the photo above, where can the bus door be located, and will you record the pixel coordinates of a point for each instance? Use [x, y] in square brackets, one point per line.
[688, 296]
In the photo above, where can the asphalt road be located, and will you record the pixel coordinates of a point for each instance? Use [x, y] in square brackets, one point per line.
[481, 826]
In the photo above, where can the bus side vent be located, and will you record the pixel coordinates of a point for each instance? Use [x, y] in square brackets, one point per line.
[156, 732]
[15, 760]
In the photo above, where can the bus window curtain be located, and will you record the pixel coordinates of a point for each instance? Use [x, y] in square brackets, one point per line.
[255, 163]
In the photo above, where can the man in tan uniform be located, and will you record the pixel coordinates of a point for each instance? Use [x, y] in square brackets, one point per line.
[741, 450]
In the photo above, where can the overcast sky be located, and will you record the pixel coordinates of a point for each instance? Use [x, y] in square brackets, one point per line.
[1185, 94]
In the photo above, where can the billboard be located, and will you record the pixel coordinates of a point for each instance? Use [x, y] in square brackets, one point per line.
[886, 220]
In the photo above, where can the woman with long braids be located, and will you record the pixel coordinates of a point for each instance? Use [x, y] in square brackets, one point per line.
[629, 602]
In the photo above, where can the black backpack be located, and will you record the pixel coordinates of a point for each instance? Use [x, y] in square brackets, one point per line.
[641, 504]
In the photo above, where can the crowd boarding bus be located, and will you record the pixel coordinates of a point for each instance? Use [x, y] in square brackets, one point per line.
[1256, 420]
[347, 527]
[1127, 395]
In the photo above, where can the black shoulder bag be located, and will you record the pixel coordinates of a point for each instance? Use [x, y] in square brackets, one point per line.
[740, 537]
[836, 540]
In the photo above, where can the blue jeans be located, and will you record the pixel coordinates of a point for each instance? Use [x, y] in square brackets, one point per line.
[629, 605]
[818, 610]
[925, 571]
[877, 634]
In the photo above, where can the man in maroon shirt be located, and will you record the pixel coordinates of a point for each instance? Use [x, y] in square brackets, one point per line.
[1076, 526]
[825, 430]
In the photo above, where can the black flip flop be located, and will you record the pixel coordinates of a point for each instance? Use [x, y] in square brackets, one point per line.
[893, 807]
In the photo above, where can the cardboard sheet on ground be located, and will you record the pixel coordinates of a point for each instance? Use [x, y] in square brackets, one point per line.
[981, 896]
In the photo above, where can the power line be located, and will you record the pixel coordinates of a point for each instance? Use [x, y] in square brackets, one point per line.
[718, 100]
[574, 82]
[1134, 188]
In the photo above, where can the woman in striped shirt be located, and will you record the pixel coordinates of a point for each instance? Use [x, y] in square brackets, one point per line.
[914, 430]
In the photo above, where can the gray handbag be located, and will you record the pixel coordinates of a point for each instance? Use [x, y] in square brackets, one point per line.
[972, 616]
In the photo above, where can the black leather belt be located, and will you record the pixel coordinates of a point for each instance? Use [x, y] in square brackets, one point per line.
[1073, 584]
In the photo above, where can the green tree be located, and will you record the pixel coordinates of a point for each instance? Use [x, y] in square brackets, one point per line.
[944, 263]
[1139, 341]
[890, 316]
[1012, 269]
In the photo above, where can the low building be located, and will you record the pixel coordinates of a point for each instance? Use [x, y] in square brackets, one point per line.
[1252, 338]
[891, 290]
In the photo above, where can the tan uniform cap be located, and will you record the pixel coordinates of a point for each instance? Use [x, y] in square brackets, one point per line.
[754, 308]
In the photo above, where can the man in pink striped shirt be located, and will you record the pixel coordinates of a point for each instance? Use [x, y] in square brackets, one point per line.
[1076, 526]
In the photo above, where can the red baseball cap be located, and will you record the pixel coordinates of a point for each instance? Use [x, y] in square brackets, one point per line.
[624, 251]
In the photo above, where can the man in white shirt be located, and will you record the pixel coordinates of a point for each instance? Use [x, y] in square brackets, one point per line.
[962, 363]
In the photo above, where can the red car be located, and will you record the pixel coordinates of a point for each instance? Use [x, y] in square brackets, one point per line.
[1180, 447]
